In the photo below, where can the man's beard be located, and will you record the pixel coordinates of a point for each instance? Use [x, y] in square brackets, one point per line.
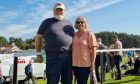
[59, 17]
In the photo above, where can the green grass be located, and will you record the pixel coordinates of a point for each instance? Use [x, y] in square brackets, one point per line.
[125, 80]
[41, 81]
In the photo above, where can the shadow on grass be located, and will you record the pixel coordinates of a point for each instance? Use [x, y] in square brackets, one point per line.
[130, 80]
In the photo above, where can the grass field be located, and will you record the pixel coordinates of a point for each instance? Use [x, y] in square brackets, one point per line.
[125, 80]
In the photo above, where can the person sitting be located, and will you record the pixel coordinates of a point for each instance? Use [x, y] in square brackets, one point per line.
[136, 69]
[130, 56]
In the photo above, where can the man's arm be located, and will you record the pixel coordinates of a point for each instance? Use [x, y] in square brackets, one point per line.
[38, 45]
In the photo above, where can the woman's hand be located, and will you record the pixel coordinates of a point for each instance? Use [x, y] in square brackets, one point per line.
[92, 67]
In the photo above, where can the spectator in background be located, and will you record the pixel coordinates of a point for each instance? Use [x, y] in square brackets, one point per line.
[117, 55]
[137, 63]
[130, 56]
[1, 74]
[136, 69]
[97, 62]
[110, 61]
[29, 71]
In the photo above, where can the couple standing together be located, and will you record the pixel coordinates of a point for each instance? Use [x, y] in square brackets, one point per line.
[65, 49]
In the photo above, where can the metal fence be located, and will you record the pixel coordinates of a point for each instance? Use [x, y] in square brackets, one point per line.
[28, 53]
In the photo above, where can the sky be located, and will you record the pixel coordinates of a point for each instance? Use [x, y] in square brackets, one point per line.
[22, 18]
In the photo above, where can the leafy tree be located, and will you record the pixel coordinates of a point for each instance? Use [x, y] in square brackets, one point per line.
[17, 41]
[127, 40]
[3, 41]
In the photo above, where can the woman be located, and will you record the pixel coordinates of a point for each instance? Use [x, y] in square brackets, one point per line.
[83, 51]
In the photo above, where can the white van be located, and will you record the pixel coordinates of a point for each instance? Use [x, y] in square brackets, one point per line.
[6, 61]
[7, 64]
[39, 69]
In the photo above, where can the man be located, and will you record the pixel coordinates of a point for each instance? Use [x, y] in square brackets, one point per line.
[97, 62]
[117, 55]
[29, 71]
[57, 33]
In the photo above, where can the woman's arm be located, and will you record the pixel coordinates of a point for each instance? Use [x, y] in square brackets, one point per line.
[93, 57]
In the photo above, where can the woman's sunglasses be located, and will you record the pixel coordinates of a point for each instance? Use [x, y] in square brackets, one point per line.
[79, 22]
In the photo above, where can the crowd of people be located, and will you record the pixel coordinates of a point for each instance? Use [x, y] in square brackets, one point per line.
[9, 49]
[5, 50]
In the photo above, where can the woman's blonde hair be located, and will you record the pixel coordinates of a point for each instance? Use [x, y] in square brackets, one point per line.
[85, 21]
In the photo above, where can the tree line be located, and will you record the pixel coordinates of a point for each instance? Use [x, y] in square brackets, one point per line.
[128, 40]
[27, 44]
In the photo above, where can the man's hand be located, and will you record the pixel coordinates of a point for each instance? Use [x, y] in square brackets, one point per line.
[39, 58]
